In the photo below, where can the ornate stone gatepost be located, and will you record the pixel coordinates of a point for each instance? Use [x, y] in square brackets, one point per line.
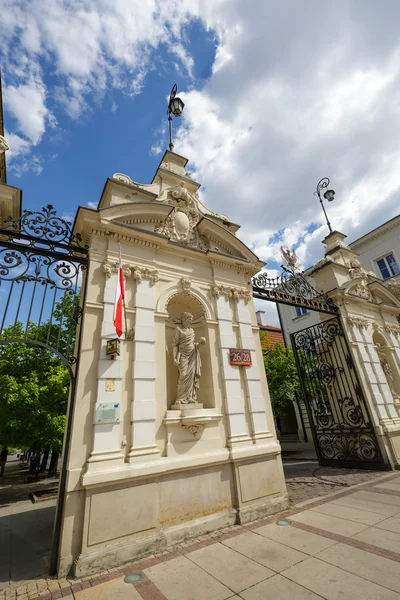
[171, 439]
[369, 312]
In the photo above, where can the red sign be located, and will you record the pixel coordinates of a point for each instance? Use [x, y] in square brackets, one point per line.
[239, 356]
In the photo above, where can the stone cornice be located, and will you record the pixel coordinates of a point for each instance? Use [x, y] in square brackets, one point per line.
[247, 269]
[123, 237]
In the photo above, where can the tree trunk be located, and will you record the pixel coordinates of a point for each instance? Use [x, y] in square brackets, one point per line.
[45, 458]
[53, 464]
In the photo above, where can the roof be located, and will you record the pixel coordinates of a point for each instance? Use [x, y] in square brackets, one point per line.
[274, 336]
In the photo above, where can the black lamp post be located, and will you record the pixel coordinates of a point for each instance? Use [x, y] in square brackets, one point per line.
[175, 107]
[329, 195]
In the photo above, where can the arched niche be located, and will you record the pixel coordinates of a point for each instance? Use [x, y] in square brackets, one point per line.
[177, 304]
[388, 363]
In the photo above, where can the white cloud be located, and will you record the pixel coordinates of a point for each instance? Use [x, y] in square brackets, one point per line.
[92, 205]
[298, 91]
[26, 102]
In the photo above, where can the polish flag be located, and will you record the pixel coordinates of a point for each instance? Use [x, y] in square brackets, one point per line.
[119, 297]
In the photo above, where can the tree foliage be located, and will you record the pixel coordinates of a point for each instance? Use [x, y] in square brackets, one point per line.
[34, 382]
[283, 380]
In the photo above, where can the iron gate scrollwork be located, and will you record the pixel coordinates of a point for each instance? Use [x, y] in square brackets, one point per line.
[41, 268]
[338, 413]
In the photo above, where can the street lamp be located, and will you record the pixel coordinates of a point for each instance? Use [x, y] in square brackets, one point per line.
[329, 196]
[175, 107]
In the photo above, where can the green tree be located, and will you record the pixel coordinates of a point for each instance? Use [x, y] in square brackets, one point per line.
[34, 382]
[283, 380]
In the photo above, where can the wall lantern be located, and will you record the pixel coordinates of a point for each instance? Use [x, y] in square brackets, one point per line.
[175, 107]
[113, 348]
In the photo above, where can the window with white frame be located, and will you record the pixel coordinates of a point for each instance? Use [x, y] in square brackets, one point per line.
[300, 311]
[388, 266]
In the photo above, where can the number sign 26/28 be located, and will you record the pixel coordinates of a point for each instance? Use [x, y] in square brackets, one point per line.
[239, 357]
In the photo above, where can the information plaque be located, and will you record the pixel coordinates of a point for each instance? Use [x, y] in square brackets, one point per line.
[238, 356]
[107, 412]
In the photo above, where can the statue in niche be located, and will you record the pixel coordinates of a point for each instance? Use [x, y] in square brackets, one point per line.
[387, 369]
[187, 359]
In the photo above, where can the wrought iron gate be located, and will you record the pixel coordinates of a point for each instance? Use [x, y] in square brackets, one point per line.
[338, 413]
[42, 264]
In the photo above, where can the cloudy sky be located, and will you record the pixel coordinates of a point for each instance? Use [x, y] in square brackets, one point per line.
[278, 94]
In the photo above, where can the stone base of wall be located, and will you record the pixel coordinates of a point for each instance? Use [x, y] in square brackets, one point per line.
[134, 518]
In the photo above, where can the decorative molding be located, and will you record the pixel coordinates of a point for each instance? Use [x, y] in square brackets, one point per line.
[140, 273]
[394, 288]
[3, 144]
[180, 225]
[395, 329]
[109, 268]
[125, 179]
[231, 292]
[362, 291]
[195, 428]
[186, 284]
[358, 322]
[227, 249]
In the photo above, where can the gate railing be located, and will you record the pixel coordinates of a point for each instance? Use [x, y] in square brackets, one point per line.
[338, 412]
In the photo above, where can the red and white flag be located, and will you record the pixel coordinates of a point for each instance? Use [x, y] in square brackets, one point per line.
[119, 297]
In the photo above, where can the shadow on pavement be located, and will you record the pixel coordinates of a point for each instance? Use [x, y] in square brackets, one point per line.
[26, 529]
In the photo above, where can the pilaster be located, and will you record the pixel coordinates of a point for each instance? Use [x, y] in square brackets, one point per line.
[234, 401]
[251, 374]
[106, 452]
[144, 408]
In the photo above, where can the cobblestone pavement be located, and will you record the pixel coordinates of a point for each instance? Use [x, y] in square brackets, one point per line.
[306, 480]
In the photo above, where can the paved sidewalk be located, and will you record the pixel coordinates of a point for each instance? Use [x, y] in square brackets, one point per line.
[346, 545]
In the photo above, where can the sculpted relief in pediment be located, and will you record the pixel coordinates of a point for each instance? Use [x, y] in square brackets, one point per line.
[180, 225]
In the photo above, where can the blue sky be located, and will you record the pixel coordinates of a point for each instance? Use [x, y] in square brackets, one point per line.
[278, 94]
[115, 133]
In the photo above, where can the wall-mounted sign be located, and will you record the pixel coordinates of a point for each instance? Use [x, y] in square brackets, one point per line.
[107, 412]
[238, 356]
[110, 385]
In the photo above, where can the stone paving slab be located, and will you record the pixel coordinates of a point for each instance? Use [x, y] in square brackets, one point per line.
[332, 583]
[279, 588]
[304, 541]
[232, 569]
[374, 568]
[364, 517]
[181, 579]
[271, 554]
[370, 506]
[390, 524]
[329, 523]
[379, 537]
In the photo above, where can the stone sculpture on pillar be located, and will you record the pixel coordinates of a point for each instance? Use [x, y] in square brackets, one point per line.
[187, 358]
[387, 369]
